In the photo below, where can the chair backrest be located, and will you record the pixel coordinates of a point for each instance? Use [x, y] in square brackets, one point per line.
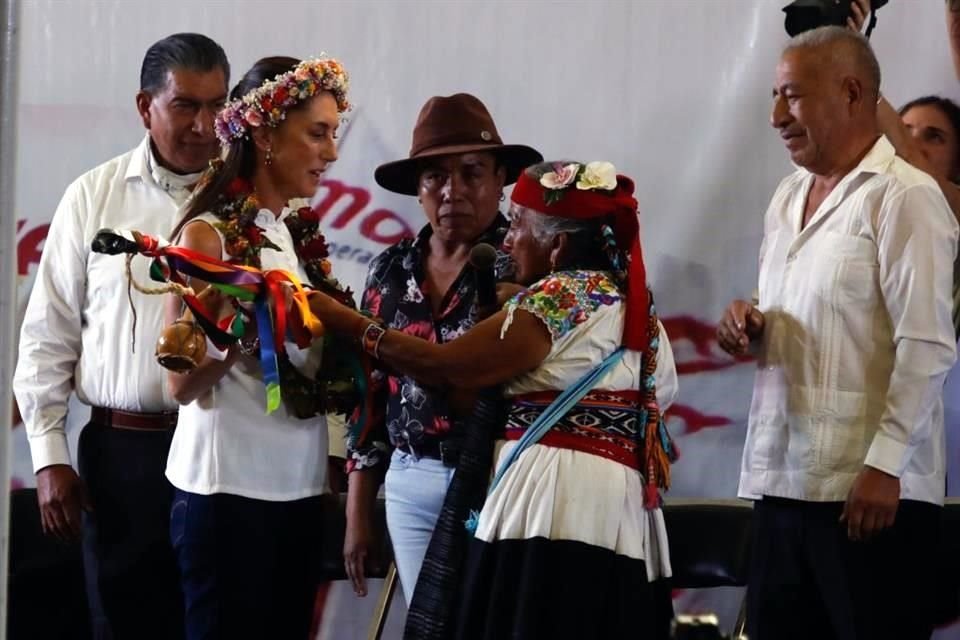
[709, 542]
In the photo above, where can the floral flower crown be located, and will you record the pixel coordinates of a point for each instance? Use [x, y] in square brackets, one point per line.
[593, 176]
[268, 104]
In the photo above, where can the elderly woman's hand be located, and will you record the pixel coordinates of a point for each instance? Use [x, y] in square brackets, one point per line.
[335, 316]
[331, 313]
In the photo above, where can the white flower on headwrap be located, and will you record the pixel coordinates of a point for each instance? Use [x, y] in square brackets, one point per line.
[560, 177]
[598, 175]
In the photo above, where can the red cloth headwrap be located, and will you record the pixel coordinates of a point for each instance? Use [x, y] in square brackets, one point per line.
[580, 204]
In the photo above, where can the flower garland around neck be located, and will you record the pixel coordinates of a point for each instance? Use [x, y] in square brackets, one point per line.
[339, 385]
[237, 212]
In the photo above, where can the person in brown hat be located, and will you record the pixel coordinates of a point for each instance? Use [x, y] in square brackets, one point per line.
[585, 371]
[457, 167]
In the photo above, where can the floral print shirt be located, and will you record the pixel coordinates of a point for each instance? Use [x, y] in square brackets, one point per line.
[405, 414]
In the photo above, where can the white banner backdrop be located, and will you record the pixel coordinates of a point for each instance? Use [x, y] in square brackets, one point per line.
[676, 93]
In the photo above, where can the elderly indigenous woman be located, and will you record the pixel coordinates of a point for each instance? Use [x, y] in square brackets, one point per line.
[571, 541]
[425, 287]
[245, 521]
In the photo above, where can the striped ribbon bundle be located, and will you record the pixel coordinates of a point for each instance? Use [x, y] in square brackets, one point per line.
[264, 289]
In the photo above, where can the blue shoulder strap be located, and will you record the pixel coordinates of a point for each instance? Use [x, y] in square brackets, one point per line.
[557, 409]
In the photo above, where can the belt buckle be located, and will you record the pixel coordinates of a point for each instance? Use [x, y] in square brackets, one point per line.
[171, 418]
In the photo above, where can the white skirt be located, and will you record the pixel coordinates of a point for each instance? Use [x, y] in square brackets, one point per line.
[562, 494]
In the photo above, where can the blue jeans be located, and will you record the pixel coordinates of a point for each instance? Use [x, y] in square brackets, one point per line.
[414, 490]
[249, 568]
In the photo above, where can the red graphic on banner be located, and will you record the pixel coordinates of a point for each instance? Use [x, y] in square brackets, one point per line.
[29, 245]
[380, 225]
[695, 420]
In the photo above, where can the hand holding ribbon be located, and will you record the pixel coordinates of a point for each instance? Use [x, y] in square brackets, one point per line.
[264, 289]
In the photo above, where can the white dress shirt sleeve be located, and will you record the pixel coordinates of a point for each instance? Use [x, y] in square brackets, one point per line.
[50, 335]
[917, 246]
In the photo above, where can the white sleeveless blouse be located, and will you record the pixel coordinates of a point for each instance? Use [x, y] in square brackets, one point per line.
[226, 443]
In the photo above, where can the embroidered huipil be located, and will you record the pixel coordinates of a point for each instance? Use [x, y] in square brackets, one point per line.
[584, 311]
[858, 335]
[406, 413]
[580, 482]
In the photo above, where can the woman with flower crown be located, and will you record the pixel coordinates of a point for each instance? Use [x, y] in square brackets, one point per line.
[245, 523]
[570, 542]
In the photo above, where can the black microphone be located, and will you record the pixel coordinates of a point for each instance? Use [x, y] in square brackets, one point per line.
[483, 257]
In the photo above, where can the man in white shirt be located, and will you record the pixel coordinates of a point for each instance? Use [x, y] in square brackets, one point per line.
[77, 335]
[845, 446]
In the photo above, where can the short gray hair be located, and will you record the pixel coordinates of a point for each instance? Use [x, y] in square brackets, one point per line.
[545, 228]
[844, 45]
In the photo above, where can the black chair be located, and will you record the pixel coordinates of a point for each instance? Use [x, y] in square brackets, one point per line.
[709, 542]
[710, 545]
[46, 596]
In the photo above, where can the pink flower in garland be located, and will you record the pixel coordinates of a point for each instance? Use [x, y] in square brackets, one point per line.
[252, 116]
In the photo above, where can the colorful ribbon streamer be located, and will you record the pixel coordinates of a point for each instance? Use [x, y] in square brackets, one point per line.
[265, 289]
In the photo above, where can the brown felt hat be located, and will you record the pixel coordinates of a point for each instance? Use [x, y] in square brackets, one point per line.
[452, 125]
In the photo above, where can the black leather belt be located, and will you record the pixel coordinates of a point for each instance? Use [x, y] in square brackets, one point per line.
[446, 451]
[132, 420]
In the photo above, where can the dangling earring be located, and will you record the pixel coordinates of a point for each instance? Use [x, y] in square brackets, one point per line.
[268, 159]
[503, 196]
